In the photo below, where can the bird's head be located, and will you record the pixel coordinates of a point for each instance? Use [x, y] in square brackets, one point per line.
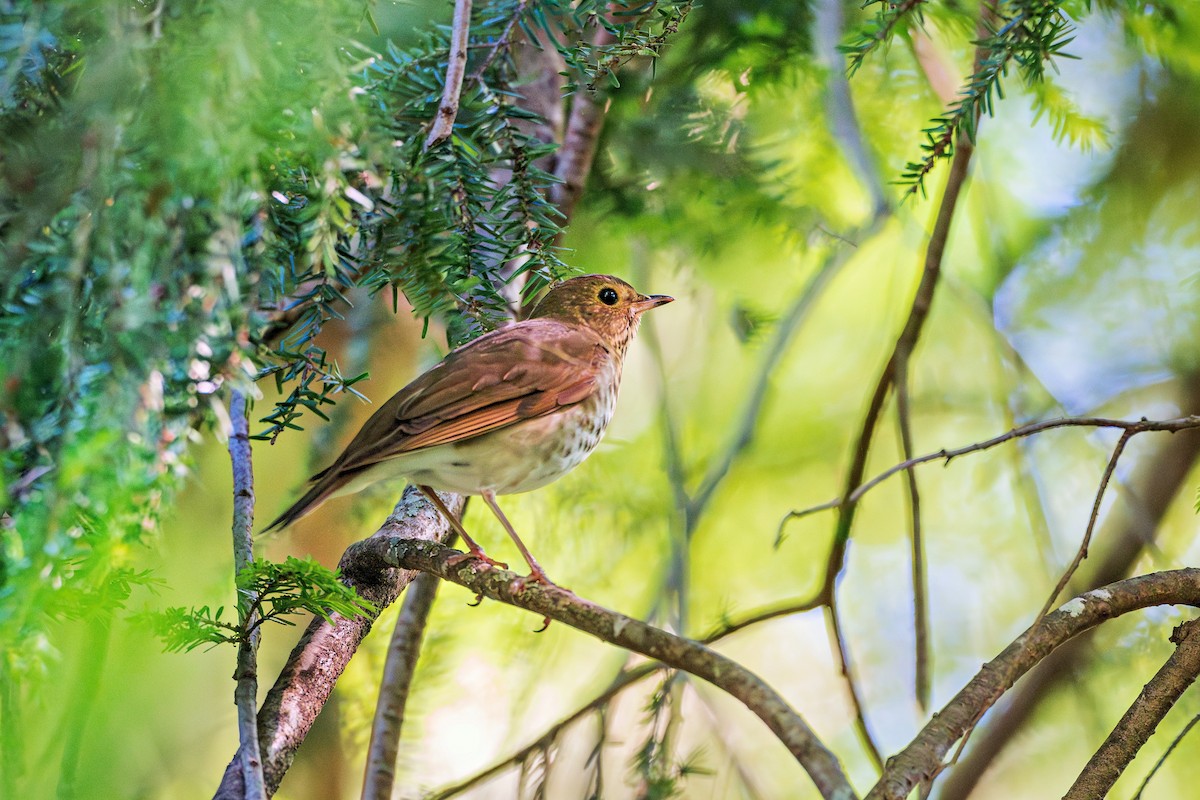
[606, 304]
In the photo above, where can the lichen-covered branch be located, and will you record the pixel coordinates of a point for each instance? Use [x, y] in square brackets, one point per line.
[318, 659]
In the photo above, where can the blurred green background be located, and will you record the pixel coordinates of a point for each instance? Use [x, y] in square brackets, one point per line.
[1070, 286]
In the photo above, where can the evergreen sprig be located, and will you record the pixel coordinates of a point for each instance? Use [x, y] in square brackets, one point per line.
[281, 591]
[1028, 33]
[866, 38]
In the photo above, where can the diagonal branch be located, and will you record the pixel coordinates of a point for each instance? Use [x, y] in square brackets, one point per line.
[1081, 553]
[905, 344]
[784, 332]
[1137, 725]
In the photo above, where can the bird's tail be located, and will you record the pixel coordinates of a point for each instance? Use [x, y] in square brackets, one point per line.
[324, 485]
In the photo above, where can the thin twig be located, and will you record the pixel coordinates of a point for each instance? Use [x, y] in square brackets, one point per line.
[625, 632]
[456, 70]
[246, 674]
[398, 672]
[573, 162]
[923, 757]
[503, 42]
[921, 656]
[787, 609]
[1142, 425]
[834, 626]
[1163, 759]
[1140, 720]
[1081, 553]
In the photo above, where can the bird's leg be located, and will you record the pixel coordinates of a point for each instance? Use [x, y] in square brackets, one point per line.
[472, 548]
[536, 573]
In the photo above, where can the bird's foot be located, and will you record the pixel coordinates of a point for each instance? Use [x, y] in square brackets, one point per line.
[455, 560]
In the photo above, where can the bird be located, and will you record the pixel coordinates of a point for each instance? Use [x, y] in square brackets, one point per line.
[506, 413]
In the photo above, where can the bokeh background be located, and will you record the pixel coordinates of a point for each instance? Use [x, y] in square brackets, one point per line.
[1070, 286]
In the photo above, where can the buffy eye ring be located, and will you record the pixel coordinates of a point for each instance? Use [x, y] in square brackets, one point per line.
[608, 296]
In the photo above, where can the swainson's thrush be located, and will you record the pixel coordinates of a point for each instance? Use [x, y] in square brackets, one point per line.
[509, 412]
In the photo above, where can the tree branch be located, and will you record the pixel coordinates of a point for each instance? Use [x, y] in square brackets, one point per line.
[626, 632]
[456, 70]
[905, 343]
[573, 162]
[312, 669]
[1139, 722]
[245, 694]
[923, 758]
[1158, 480]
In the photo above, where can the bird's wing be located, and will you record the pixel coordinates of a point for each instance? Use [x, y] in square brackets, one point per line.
[518, 372]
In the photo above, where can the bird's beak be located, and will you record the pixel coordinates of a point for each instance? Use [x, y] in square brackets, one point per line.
[647, 302]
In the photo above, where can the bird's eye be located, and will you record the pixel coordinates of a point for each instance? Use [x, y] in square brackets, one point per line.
[608, 296]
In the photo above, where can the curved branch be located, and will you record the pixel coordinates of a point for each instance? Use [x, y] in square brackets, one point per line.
[1137, 725]
[674, 651]
[923, 757]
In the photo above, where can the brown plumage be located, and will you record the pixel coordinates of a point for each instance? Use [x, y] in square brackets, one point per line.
[506, 413]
